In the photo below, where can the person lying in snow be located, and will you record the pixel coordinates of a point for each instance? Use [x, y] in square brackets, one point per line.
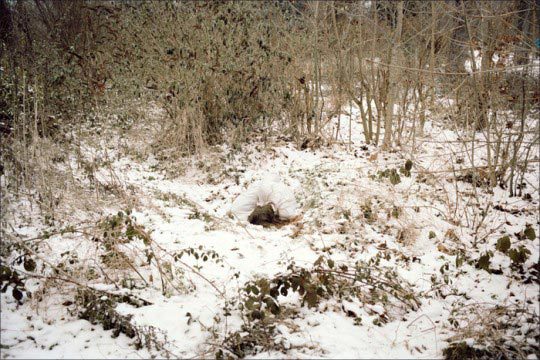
[266, 202]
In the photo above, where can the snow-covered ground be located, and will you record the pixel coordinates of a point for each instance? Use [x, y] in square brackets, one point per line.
[426, 228]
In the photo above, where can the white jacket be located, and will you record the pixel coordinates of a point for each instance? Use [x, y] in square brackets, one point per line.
[269, 190]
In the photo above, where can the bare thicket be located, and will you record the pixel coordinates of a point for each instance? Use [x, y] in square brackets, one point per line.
[228, 71]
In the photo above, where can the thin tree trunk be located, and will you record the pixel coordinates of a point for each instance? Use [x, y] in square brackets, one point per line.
[392, 72]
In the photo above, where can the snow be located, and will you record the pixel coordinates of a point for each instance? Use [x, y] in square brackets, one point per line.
[60, 338]
[331, 185]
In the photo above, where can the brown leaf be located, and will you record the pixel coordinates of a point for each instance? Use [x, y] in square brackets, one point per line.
[443, 249]
[311, 297]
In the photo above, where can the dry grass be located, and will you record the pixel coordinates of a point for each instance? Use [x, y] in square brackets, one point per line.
[504, 332]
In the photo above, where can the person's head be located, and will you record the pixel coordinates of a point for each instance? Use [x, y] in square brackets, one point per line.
[263, 215]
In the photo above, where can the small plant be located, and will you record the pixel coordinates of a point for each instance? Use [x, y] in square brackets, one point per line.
[115, 259]
[390, 174]
[252, 338]
[406, 169]
[199, 254]
[68, 262]
[475, 178]
[9, 277]
[99, 308]
[503, 244]
[367, 212]
[493, 332]
[519, 255]
[369, 282]
[527, 233]
[122, 228]
[461, 350]
[484, 261]
[200, 215]
[182, 201]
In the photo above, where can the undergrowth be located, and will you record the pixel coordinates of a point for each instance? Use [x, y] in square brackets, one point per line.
[99, 308]
[493, 332]
[262, 307]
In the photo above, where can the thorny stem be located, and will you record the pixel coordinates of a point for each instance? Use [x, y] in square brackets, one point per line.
[221, 293]
[355, 278]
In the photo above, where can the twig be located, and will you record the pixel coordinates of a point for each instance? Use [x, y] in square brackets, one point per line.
[191, 269]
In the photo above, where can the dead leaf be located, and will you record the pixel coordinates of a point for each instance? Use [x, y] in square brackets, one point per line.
[443, 249]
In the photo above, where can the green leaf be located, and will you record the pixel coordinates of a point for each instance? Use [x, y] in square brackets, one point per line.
[529, 232]
[311, 297]
[432, 235]
[256, 314]
[330, 263]
[408, 165]
[483, 262]
[503, 244]
[29, 264]
[17, 294]
[5, 273]
[219, 354]
[250, 303]
[264, 286]
[273, 306]
[520, 255]
[459, 260]
[513, 254]
[274, 292]
[404, 171]
[394, 177]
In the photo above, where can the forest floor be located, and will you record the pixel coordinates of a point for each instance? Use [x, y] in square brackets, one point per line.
[395, 255]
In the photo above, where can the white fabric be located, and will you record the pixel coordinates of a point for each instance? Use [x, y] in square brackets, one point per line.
[268, 190]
